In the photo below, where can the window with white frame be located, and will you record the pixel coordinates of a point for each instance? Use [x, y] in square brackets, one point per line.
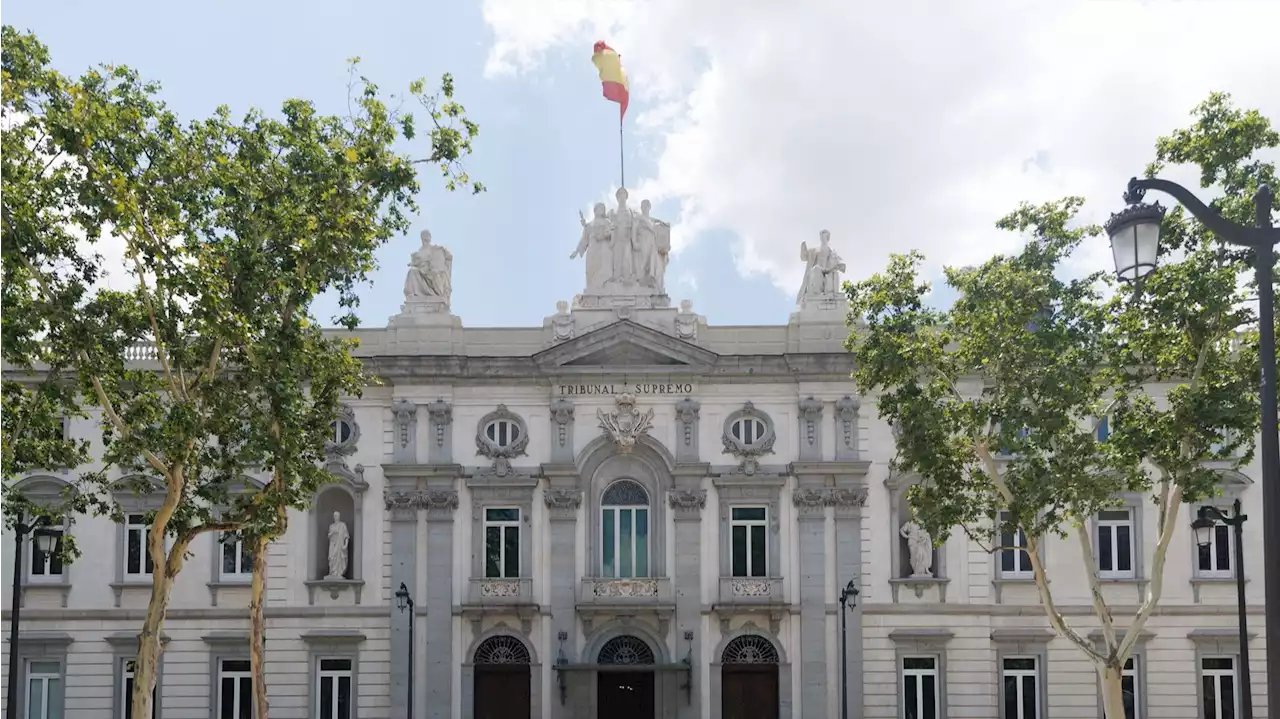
[1115, 541]
[1213, 560]
[502, 542]
[235, 689]
[624, 531]
[1218, 687]
[1130, 685]
[46, 566]
[125, 699]
[1015, 562]
[1020, 693]
[333, 688]
[502, 432]
[920, 692]
[748, 548]
[748, 430]
[137, 560]
[237, 558]
[44, 690]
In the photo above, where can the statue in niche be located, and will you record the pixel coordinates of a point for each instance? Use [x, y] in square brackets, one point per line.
[920, 549]
[596, 247]
[822, 268]
[339, 543]
[430, 274]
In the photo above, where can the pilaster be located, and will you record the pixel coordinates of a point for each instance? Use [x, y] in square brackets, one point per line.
[847, 504]
[811, 506]
[686, 509]
[563, 500]
[440, 505]
[402, 511]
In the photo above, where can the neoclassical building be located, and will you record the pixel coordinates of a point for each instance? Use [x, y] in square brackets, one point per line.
[625, 512]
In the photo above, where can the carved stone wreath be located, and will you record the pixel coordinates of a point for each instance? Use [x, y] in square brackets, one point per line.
[626, 650]
[748, 454]
[502, 649]
[502, 455]
[750, 649]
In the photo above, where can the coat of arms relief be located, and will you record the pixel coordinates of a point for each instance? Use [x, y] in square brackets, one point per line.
[625, 423]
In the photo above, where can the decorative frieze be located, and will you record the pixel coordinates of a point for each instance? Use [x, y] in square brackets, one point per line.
[562, 503]
[440, 503]
[624, 588]
[404, 504]
[809, 502]
[687, 503]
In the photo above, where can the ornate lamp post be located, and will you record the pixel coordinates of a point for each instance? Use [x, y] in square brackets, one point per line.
[848, 600]
[1135, 239]
[45, 542]
[403, 602]
[1205, 528]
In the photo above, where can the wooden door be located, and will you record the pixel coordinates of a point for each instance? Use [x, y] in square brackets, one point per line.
[625, 695]
[749, 691]
[502, 691]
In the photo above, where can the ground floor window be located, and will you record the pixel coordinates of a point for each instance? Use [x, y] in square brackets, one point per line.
[44, 690]
[125, 700]
[1020, 690]
[235, 689]
[920, 691]
[1218, 679]
[333, 685]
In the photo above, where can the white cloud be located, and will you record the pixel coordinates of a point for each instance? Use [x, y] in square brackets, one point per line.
[899, 125]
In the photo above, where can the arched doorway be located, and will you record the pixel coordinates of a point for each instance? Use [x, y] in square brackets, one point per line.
[749, 679]
[502, 679]
[626, 692]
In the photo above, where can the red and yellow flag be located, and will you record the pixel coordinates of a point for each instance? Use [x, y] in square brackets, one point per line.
[612, 77]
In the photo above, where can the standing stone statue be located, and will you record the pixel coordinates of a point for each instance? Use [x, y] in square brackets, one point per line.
[596, 247]
[920, 546]
[644, 247]
[339, 542]
[623, 220]
[822, 268]
[430, 273]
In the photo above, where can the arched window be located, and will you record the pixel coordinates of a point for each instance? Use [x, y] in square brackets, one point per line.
[624, 529]
[626, 650]
[502, 649]
[750, 649]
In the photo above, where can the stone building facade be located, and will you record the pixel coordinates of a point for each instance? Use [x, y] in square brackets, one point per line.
[625, 512]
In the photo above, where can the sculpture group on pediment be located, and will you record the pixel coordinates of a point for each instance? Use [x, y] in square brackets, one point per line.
[822, 268]
[430, 275]
[626, 251]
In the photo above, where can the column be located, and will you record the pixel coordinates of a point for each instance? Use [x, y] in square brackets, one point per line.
[402, 508]
[563, 500]
[810, 506]
[437, 700]
[848, 505]
[686, 505]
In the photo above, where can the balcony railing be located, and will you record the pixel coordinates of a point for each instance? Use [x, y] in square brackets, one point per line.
[507, 592]
[756, 591]
[605, 591]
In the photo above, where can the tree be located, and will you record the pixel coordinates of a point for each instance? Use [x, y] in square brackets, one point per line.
[232, 228]
[997, 399]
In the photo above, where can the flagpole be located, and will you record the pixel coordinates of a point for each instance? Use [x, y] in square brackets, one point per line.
[622, 157]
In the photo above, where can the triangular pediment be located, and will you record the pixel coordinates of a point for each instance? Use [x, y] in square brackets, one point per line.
[625, 344]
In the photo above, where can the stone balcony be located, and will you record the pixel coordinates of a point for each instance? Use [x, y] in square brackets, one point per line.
[489, 592]
[652, 596]
[750, 592]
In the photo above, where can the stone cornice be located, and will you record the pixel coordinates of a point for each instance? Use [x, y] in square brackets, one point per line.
[822, 470]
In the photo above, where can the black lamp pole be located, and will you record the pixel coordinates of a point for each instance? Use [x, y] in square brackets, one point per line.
[404, 601]
[1263, 240]
[20, 530]
[848, 599]
[1208, 518]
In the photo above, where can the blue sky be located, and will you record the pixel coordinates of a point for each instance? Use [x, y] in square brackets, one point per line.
[752, 126]
[548, 144]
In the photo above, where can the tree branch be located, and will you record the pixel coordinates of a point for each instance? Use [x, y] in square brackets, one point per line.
[1095, 586]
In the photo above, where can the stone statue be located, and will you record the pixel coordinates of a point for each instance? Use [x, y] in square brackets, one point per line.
[596, 247]
[623, 221]
[339, 542]
[822, 268]
[430, 273]
[920, 546]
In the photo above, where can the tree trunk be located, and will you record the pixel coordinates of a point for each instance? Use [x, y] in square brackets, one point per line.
[149, 645]
[258, 629]
[1112, 691]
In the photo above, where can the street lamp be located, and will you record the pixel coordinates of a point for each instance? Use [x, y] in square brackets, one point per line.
[45, 542]
[848, 599]
[1135, 234]
[403, 602]
[1205, 527]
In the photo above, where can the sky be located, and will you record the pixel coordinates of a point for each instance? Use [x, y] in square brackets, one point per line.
[753, 124]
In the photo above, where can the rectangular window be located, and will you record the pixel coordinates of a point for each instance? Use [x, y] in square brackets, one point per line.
[235, 689]
[1103, 432]
[333, 689]
[1020, 677]
[920, 695]
[625, 542]
[46, 567]
[1115, 544]
[748, 543]
[237, 558]
[502, 543]
[1218, 678]
[1129, 684]
[126, 691]
[137, 560]
[1014, 563]
[1214, 559]
[44, 690]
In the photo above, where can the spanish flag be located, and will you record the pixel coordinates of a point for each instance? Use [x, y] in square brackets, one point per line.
[612, 77]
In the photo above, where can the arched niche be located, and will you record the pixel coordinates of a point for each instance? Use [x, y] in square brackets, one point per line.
[344, 496]
[502, 646]
[53, 495]
[900, 513]
[760, 637]
[647, 465]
